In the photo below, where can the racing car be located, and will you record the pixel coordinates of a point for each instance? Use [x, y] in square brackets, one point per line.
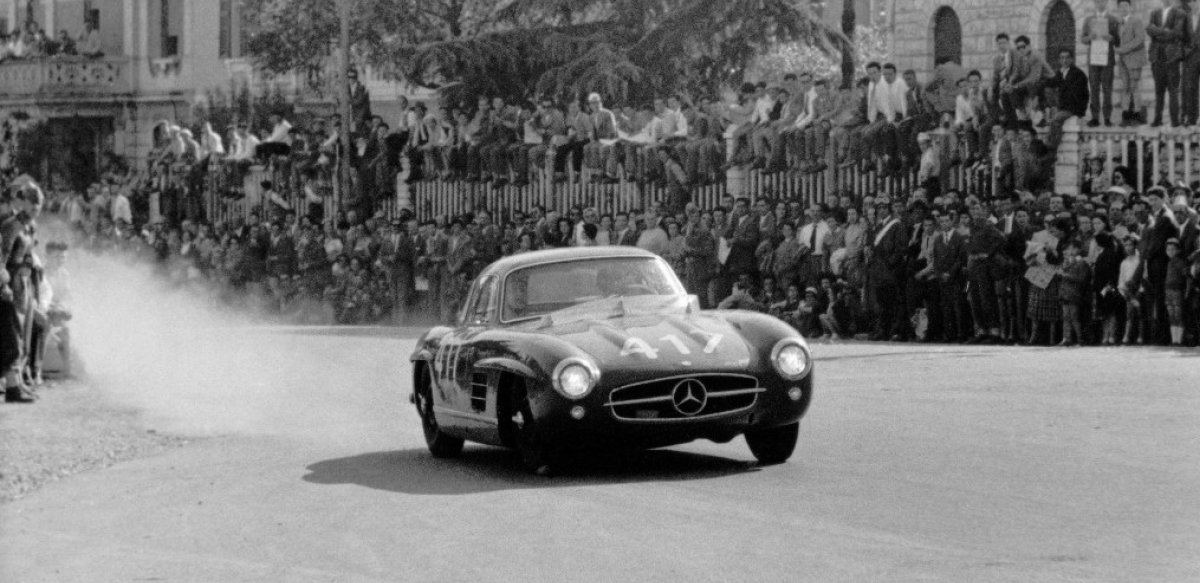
[568, 350]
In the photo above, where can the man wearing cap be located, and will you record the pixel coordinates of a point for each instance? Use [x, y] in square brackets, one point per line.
[1167, 29]
[1160, 226]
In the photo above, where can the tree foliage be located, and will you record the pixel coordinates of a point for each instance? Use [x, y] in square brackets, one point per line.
[627, 49]
[870, 44]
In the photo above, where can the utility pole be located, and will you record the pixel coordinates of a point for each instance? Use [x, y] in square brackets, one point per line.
[343, 78]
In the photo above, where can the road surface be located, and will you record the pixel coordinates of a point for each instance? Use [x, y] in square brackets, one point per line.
[916, 463]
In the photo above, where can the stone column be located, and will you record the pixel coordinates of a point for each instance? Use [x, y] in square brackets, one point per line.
[1067, 165]
[129, 26]
[50, 7]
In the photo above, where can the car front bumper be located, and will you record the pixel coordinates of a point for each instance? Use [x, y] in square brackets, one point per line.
[594, 421]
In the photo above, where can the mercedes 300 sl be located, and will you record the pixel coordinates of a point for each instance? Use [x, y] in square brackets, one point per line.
[569, 350]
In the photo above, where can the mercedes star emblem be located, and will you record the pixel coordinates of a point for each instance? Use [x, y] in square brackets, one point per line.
[689, 397]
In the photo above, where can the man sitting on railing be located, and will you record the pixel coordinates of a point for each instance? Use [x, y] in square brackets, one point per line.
[599, 150]
[1073, 95]
[810, 143]
[846, 133]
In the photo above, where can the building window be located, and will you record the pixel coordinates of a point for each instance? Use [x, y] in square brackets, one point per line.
[947, 36]
[226, 32]
[166, 28]
[1060, 30]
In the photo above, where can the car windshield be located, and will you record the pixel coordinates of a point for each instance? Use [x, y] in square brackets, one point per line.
[537, 290]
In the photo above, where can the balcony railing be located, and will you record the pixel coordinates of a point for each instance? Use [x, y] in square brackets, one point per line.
[65, 77]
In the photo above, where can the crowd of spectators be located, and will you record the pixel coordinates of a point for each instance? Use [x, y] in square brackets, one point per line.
[33, 42]
[1107, 267]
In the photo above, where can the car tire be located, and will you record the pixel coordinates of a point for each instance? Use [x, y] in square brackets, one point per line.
[440, 444]
[773, 445]
[534, 453]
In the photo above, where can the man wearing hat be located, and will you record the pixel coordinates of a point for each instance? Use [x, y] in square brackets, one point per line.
[1160, 226]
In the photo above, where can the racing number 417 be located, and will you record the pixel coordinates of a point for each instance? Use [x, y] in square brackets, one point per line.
[635, 345]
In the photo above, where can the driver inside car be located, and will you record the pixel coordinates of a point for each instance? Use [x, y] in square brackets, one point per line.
[516, 297]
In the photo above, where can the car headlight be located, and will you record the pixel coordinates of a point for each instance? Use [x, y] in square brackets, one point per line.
[791, 359]
[575, 377]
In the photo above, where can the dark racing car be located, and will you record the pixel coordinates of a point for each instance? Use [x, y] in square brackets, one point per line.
[562, 351]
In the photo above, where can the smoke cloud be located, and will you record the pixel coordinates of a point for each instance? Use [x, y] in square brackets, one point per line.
[198, 368]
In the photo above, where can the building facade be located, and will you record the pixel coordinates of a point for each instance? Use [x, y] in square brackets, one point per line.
[927, 32]
[162, 58]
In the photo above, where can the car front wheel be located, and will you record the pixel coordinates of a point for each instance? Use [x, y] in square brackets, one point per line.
[773, 445]
[440, 444]
[532, 447]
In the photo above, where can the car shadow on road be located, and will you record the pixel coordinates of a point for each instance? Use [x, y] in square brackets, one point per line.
[486, 469]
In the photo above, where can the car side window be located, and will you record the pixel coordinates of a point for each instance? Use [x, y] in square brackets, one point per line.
[483, 308]
[467, 312]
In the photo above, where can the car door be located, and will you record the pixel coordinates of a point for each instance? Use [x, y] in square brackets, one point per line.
[457, 355]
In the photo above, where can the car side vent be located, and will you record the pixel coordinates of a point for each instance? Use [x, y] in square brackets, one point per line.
[479, 390]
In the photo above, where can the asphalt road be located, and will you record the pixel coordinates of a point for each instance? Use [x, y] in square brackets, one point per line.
[915, 464]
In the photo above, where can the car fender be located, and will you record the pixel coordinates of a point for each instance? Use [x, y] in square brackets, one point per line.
[506, 364]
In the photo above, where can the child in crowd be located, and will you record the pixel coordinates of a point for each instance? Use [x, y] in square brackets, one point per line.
[1175, 284]
[1076, 274]
[1129, 285]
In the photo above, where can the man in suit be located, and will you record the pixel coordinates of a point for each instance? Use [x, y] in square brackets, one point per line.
[1190, 73]
[1167, 30]
[1101, 29]
[743, 236]
[983, 250]
[1160, 226]
[887, 246]
[1131, 57]
[948, 267]
[1073, 94]
[625, 234]
[403, 249]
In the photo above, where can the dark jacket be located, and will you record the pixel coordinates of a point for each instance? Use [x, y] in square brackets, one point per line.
[1167, 38]
[1072, 90]
[950, 258]
[886, 264]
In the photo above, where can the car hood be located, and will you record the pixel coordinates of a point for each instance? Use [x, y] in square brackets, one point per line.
[696, 341]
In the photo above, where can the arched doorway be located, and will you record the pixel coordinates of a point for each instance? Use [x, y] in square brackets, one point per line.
[1060, 30]
[947, 36]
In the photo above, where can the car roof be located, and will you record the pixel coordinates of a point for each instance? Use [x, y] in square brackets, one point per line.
[507, 264]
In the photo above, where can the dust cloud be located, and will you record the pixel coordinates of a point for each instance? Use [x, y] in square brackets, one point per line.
[198, 368]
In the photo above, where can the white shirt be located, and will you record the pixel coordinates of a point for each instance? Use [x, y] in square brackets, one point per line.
[964, 110]
[897, 91]
[1128, 269]
[806, 233]
[879, 102]
[120, 209]
[806, 118]
[280, 133]
[762, 109]
[674, 125]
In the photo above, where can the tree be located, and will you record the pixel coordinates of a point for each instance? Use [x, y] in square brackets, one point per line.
[625, 49]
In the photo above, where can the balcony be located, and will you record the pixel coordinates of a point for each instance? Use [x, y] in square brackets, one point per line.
[65, 78]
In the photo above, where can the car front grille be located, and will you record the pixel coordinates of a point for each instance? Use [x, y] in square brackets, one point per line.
[684, 398]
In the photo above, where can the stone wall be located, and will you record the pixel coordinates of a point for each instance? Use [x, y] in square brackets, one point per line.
[981, 21]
